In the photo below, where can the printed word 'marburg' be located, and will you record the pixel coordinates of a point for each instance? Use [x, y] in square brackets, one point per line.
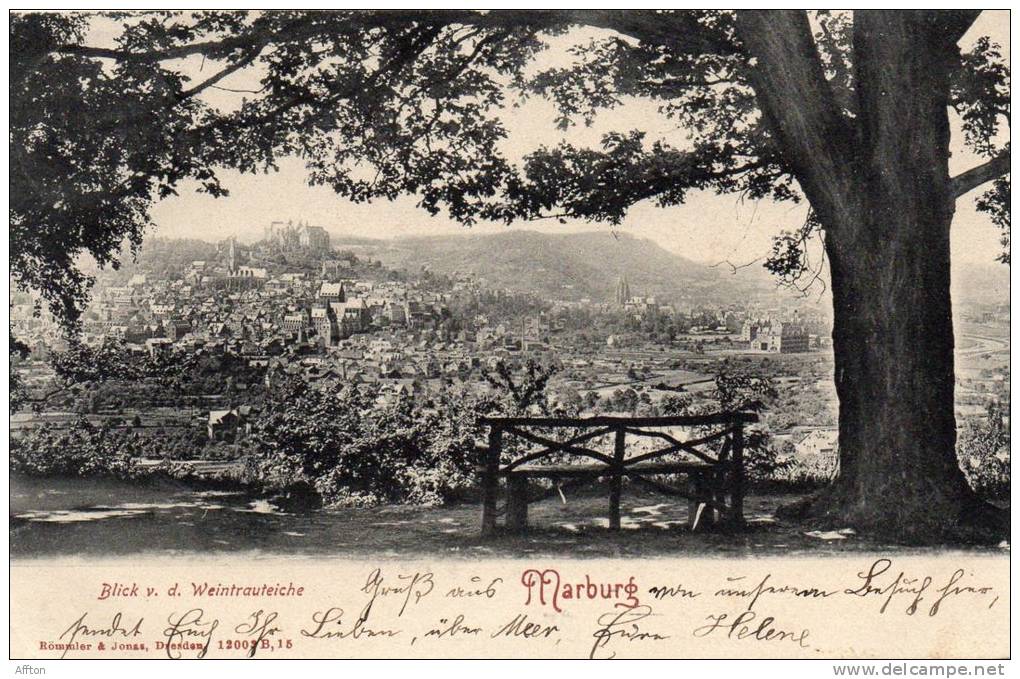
[547, 588]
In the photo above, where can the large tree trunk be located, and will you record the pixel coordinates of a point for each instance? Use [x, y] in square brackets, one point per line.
[879, 183]
[893, 346]
[889, 260]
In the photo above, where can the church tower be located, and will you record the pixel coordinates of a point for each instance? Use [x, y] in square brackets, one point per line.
[232, 257]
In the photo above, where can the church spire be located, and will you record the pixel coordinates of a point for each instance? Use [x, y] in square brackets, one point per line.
[622, 291]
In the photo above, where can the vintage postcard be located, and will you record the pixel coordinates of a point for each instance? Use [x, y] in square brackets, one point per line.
[463, 333]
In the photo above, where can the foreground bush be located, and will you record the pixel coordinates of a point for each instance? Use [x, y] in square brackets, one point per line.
[353, 452]
[740, 391]
[81, 449]
[983, 451]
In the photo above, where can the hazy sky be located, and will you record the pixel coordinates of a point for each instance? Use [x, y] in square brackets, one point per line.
[708, 228]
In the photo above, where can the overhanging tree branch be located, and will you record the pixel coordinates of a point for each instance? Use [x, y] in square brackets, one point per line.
[582, 179]
[815, 137]
[651, 27]
[976, 176]
[244, 61]
[304, 28]
[953, 24]
[680, 33]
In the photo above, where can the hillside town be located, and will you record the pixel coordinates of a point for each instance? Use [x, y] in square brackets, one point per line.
[292, 305]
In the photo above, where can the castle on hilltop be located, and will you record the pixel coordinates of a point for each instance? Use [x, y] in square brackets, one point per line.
[290, 236]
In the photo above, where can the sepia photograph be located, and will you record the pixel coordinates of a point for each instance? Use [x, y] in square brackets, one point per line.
[505, 333]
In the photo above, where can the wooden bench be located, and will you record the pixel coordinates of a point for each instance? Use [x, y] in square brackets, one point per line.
[714, 479]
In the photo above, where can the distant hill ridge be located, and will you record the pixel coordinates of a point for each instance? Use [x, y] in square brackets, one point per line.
[588, 264]
[560, 265]
[579, 265]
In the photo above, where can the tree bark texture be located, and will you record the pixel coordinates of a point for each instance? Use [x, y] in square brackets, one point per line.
[885, 197]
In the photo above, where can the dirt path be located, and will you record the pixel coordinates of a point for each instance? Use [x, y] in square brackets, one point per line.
[76, 518]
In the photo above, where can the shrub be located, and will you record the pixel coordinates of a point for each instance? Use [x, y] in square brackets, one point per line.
[740, 390]
[82, 449]
[354, 452]
[763, 460]
[983, 452]
[175, 444]
[813, 472]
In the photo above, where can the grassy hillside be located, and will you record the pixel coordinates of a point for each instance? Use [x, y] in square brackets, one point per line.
[564, 266]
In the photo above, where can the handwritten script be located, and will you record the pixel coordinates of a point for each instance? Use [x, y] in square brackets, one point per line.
[627, 609]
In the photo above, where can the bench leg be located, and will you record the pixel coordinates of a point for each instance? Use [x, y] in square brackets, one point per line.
[517, 504]
[736, 517]
[490, 492]
[616, 480]
[490, 481]
[615, 491]
[692, 506]
[698, 495]
[718, 492]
